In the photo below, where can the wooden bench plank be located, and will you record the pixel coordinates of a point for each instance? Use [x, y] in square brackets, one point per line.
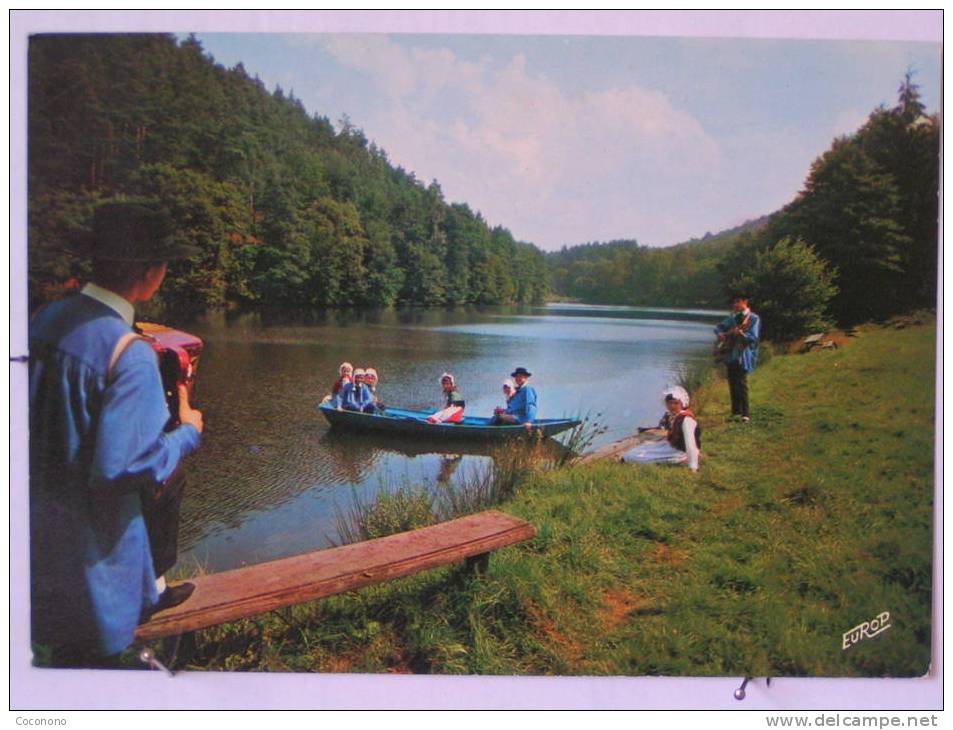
[244, 592]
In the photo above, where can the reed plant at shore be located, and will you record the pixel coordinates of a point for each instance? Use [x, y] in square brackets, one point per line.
[408, 507]
[390, 511]
[697, 376]
[577, 441]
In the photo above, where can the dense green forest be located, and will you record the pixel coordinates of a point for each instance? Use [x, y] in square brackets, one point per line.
[861, 237]
[623, 272]
[287, 210]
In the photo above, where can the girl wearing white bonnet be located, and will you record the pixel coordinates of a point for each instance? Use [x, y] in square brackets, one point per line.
[682, 442]
[453, 399]
[509, 388]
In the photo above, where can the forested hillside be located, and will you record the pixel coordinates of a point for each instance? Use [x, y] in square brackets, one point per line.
[623, 272]
[859, 242]
[287, 210]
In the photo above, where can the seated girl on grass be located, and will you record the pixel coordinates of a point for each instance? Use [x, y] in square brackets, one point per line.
[682, 442]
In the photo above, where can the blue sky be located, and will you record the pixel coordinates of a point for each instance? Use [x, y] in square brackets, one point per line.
[571, 139]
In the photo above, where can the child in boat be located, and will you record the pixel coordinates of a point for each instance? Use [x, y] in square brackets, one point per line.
[354, 395]
[509, 390]
[682, 442]
[370, 380]
[345, 372]
[521, 407]
[453, 410]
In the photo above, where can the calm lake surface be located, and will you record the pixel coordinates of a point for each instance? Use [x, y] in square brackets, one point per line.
[271, 476]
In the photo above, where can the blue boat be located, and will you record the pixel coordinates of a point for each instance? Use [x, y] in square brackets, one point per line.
[414, 423]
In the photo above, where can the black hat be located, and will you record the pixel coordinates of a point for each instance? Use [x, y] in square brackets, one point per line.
[132, 232]
[521, 371]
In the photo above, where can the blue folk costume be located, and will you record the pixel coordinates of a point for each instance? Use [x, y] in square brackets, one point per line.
[96, 440]
[739, 352]
[523, 404]
[741, 349]
[375, 405]
[354, 397]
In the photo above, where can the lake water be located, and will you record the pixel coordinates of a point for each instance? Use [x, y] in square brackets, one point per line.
[270, 475]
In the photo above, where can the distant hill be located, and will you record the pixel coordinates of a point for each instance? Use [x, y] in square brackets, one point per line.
[625, 272]
[717, 241]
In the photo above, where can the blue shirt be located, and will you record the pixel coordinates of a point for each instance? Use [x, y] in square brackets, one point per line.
[96, 439]
[745, 348]
[523, 404]
[353, 398]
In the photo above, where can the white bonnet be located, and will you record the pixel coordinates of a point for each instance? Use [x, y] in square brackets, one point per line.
[677, 392]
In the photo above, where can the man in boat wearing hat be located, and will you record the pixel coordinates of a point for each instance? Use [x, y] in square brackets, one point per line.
[521, 407]
[99, 446]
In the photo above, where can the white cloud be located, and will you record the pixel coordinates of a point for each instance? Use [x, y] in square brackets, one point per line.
[376, 56]
[524, 151]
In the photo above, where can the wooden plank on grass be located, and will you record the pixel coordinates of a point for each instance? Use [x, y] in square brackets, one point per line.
[244, 592]
[616, 449]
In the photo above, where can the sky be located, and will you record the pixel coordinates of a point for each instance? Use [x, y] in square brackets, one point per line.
[570, 139]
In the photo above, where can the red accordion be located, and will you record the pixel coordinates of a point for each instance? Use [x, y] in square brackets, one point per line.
[178, 354]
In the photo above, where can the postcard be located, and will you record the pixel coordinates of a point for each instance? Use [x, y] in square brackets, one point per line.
[393, 357]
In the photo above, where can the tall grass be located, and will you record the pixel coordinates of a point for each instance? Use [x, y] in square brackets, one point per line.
[577, 440]
[409, 507]
[695, 376]
[389, 512]
[476, 490]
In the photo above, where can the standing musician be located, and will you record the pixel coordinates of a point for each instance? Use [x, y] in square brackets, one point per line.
[737, 347]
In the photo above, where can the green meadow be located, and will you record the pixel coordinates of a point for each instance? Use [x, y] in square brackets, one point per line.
[813, 518]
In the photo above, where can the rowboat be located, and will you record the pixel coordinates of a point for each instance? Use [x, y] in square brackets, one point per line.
[414, 423]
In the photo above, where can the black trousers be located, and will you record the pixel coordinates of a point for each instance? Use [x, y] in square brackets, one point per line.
[738, 387]
[160, 509]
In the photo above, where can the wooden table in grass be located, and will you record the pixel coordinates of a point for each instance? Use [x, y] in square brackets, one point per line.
[244, 592]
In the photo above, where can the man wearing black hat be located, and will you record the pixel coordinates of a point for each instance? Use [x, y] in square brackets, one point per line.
[97, 440]
[521, 407]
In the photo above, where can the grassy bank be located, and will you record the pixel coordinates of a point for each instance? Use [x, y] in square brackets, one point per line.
[811, 519]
